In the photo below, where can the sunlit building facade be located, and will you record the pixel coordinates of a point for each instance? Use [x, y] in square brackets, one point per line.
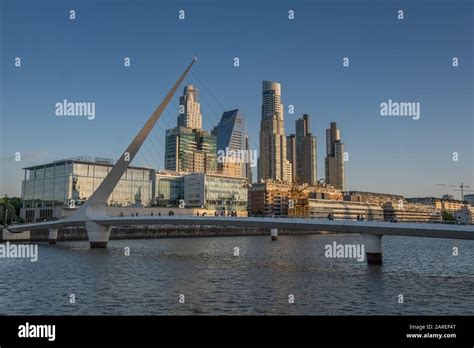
[190, 109]
[216, 192]
[71, 182]
[273, 163]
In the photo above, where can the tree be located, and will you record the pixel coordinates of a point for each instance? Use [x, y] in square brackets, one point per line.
[447, 216]
[9, 209]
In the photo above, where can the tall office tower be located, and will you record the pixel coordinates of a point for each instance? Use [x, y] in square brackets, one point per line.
[189, 148]
[231, 136]
[272, 158]
[291, 154]
[189, 109]
[334, 157]
[306, 152]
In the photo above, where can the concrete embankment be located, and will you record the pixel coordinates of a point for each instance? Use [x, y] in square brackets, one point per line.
[164, 231]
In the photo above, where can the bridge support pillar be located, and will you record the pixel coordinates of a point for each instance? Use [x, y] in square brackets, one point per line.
[274, 233]
[98, 234]
[373, 248]
[53, 236]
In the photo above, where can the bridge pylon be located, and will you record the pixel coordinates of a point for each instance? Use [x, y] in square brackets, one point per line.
[373, 248]
[53, 235]
[274, 233]
[98, 234]
[95, 206]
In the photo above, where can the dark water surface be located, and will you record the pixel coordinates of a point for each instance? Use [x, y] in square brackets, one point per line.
[259, 281]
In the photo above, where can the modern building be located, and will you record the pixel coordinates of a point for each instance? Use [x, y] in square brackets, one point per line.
[231, 131]
[273, 164]
[232, 141]
[169, 189]
[54, 190]
[306, 152]
[334, 157]
[189, 109]
[344, 210]
[222, 194]
[70, 182]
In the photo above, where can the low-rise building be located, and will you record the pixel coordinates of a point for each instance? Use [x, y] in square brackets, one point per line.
[54, 190]
[169, 188]
[372, 197]
[219, 193]
[344, 210]
[447, 203]
[450, 206]
[50, 188]
[269, 198]
[411, 213]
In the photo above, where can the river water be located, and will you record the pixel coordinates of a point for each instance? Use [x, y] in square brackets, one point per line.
[259, 281]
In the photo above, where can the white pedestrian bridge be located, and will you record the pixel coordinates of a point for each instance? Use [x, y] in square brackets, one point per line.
[371, 231]
[92, 214]
[336, 226]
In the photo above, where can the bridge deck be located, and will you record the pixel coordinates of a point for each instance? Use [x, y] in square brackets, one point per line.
[336, 226]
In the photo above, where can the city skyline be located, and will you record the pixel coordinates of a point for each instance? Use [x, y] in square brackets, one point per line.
[401, 150]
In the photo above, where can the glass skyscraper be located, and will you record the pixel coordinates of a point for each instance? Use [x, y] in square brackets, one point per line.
[231, 134]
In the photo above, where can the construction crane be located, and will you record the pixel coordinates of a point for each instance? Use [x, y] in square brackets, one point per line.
[462, 187]
[300, 201]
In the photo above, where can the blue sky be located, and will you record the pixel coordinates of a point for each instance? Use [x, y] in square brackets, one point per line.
[82, 60]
